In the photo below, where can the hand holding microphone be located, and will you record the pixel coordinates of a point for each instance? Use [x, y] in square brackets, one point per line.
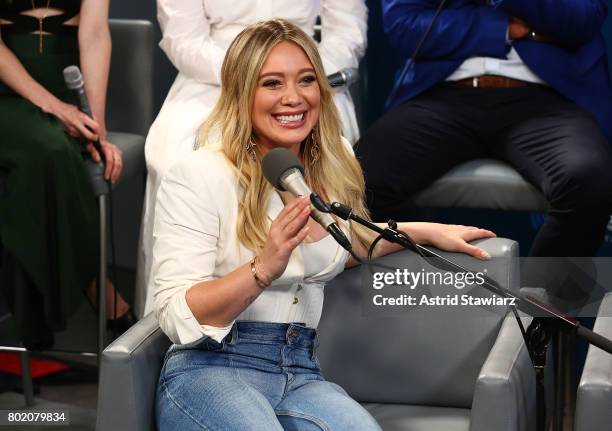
[80, 123]
[287, 231]
[285, 172]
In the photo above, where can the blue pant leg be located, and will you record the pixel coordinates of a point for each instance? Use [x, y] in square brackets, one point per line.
[212, 398]
[318, 405]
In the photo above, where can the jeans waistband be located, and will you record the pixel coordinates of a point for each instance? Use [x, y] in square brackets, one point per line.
[296, 334]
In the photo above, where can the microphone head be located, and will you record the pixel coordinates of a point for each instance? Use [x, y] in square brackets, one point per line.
[351, 75]
[73, 77]
[278, 161]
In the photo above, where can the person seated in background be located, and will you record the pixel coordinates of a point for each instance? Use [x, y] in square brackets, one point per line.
[239, 268]
[196, 34]
[48, 215]
[524, 81]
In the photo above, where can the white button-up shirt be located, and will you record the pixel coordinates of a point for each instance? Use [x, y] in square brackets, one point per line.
[511, 67]
[195, 240]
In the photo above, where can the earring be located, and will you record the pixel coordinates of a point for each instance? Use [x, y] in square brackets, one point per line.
[315, 150]
[250, 148]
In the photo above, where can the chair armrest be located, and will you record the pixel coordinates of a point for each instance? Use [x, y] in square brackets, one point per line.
[130, 368]
[505, 394]
[594, 399]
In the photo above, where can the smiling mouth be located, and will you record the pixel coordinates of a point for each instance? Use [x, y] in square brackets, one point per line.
[293, 120]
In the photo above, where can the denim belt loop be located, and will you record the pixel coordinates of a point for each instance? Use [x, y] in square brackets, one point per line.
[315, 346]
[233, 335]
[291, 334]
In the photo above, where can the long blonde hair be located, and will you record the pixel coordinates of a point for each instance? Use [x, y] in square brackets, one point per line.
[335, 174]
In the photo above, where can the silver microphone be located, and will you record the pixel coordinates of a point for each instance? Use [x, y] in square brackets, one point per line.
[74, 82]
[285, 172]
[344, 77]
[293, 181]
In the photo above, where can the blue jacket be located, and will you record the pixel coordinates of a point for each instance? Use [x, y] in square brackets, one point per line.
[576, 66]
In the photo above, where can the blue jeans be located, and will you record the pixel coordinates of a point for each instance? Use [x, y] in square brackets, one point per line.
[263, 376]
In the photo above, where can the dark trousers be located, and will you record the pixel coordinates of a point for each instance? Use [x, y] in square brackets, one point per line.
[546, 137]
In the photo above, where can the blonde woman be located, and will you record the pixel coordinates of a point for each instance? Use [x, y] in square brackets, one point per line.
[196, 34]
[239, 268]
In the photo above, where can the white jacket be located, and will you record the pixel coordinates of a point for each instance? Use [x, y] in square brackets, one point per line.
[196, 34]
[195, 240]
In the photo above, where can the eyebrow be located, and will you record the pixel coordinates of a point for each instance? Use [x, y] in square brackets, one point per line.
[263, 75]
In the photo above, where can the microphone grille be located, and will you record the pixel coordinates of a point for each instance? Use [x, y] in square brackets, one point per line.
[73, 77]
[351, 74]
[278, 161]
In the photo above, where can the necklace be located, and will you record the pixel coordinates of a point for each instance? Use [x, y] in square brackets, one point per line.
[40, 25]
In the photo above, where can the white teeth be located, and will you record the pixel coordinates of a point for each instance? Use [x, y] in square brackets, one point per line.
[289, 118]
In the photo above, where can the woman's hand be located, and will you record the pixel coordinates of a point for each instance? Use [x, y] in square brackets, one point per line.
[79, 125]
[112, 156]
[76, 123]
[286, 232]
[452, 237]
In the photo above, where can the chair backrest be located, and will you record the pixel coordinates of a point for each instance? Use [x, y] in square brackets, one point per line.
[129, 107]
[425, 355]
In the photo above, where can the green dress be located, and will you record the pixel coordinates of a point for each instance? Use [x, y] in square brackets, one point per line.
[48, 215]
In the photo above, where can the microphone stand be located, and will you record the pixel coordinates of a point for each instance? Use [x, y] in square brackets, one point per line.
[547, 320]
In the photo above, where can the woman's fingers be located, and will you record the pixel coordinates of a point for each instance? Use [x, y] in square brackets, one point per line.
[291, 211]
[93, 152]
[471, 234]
[117, 163]
[476, 233]
[113, 161]
[298, 222]
[472, 250]
[297, 239]
[117, 167]
[89, 122]
[86, 133]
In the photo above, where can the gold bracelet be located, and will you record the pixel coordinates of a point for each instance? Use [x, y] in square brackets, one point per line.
[262, 285]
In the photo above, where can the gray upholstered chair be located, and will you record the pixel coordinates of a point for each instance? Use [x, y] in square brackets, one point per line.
[424, 370]
[129, 113]
[594, 398]
[483, 183]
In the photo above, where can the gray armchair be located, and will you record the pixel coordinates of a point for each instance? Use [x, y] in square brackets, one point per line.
[425, 370]
[457, 369]
[594, 399]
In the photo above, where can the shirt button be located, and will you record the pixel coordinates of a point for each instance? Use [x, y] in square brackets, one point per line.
[295, 301]
[300, 287]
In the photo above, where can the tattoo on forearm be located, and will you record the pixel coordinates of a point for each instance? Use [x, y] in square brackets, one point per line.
[249, 300]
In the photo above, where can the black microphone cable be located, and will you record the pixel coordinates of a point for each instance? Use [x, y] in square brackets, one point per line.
[411, 61]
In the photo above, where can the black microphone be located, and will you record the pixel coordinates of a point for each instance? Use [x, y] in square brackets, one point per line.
[344, 77]
[74, 82]
[285, 172]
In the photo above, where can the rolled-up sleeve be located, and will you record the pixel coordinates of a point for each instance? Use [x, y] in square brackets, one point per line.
[186, 232]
